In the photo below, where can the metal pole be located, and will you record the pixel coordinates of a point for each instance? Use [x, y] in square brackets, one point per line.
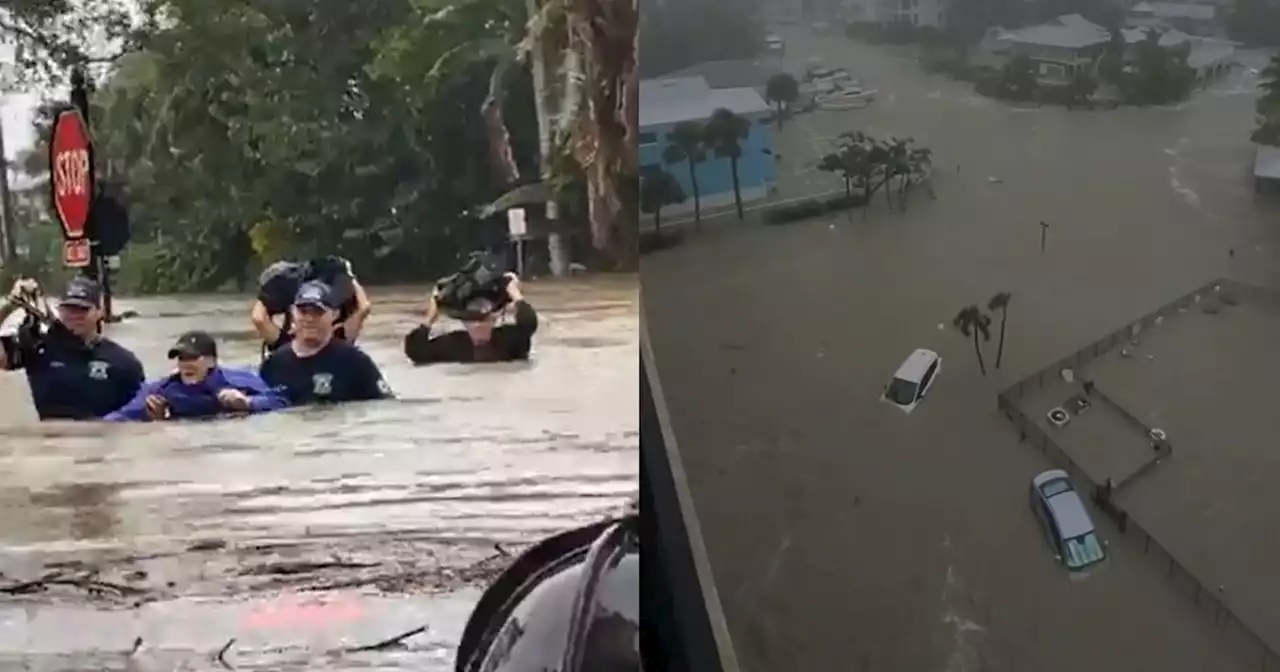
[7, 228]
[98, 269]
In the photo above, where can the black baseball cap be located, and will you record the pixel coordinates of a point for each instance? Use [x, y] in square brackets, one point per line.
[315, 294]
[82, 292]
[194, 344]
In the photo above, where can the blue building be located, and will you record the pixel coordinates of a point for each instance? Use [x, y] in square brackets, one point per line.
[667, 102]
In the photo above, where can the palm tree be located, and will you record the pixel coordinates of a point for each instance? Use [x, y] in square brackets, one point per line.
[782, 90]
[919, 164]
[971, 321]
[658, 189]
[1000, 302]
[687, 145]
[724, 134]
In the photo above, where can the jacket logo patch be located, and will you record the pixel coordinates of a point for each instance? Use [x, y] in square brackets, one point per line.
[322, 384]
[98, 369]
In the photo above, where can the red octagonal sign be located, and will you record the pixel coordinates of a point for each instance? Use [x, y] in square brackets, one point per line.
[71, 172]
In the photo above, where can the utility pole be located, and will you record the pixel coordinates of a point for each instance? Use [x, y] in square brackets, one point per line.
[8, 230]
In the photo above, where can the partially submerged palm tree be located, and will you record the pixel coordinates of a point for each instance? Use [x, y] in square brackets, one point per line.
[687, 146]
[724, 135]
[1000, 302]
[971, 321]
[782, 90]
[658, 189]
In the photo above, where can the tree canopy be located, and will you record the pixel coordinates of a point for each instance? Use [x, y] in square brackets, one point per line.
[247, 132]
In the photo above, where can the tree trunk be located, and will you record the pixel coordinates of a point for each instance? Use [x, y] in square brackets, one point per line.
[1004, 317]
[697, 197]
[557, 251]
[977, 348]
[866, 196]
[737, 190]
[779, 115]
[657, 223]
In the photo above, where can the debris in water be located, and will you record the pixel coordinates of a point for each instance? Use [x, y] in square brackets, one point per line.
[207, 545]
[221, 658]
[85, 583]
[398, 640]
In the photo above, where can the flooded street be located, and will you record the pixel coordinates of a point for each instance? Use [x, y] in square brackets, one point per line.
[1142, 205]
[273, 530]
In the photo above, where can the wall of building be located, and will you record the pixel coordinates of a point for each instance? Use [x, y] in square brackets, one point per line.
[757, 170]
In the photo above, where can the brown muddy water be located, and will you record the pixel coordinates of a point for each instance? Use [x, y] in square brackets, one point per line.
[298, 536]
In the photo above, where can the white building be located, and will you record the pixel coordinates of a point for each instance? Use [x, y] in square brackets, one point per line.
[924, 13]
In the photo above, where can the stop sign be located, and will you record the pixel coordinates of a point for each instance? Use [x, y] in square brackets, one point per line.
[71, 172]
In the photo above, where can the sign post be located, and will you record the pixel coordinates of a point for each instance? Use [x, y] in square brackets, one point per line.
[74, 186]
[518, 228]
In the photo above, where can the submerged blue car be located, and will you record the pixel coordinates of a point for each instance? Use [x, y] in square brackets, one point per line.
[1065, 521]
[185, 400]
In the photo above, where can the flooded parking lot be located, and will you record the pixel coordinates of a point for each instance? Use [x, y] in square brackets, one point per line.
[274, 530]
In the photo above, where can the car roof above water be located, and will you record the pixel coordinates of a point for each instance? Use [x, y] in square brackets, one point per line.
[913, 368]
[1067, 508]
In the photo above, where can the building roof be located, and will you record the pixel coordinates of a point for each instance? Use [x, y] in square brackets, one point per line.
[1267, 163]
[1175, 10]
[670, 101]
[1070, 31]
[727, 74]
[1206, 54]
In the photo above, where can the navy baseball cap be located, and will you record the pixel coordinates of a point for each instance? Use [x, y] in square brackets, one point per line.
[82, 292]
[315, 294]
[194, 344]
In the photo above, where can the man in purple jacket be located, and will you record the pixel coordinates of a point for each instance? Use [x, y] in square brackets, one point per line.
[199, 388]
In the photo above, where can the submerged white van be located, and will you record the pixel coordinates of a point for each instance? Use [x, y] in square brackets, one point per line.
[913, 379]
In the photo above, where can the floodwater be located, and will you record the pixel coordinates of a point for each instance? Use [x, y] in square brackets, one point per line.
[1142, 204]
[307, 532]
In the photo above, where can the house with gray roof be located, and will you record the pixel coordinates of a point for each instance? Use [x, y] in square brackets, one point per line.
[1071, 44]
[1059, 49]
[1195, 19]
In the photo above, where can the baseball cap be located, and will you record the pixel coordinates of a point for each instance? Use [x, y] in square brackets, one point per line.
[315, 293]
[82, 292]
[194, 344]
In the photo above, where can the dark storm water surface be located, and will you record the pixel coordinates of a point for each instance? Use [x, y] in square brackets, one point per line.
[274, 529]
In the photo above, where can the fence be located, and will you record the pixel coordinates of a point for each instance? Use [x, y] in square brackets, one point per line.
[1209, 600]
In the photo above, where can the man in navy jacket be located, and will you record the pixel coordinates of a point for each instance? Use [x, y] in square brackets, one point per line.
[200, 388]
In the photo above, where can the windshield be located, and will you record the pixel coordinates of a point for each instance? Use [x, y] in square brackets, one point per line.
[1055, 488]
[901, 392]
[1083, 551]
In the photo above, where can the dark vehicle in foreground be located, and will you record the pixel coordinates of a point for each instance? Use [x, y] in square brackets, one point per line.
[1065, 522]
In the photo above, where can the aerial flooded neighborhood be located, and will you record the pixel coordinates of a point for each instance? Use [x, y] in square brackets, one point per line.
[977, 288]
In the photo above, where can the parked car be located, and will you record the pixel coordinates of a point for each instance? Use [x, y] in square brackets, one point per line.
[817, 74]
[913, 380]
[851, 98]
[1066, 523]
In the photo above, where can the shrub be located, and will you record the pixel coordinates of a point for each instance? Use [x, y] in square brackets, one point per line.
[810, 208]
